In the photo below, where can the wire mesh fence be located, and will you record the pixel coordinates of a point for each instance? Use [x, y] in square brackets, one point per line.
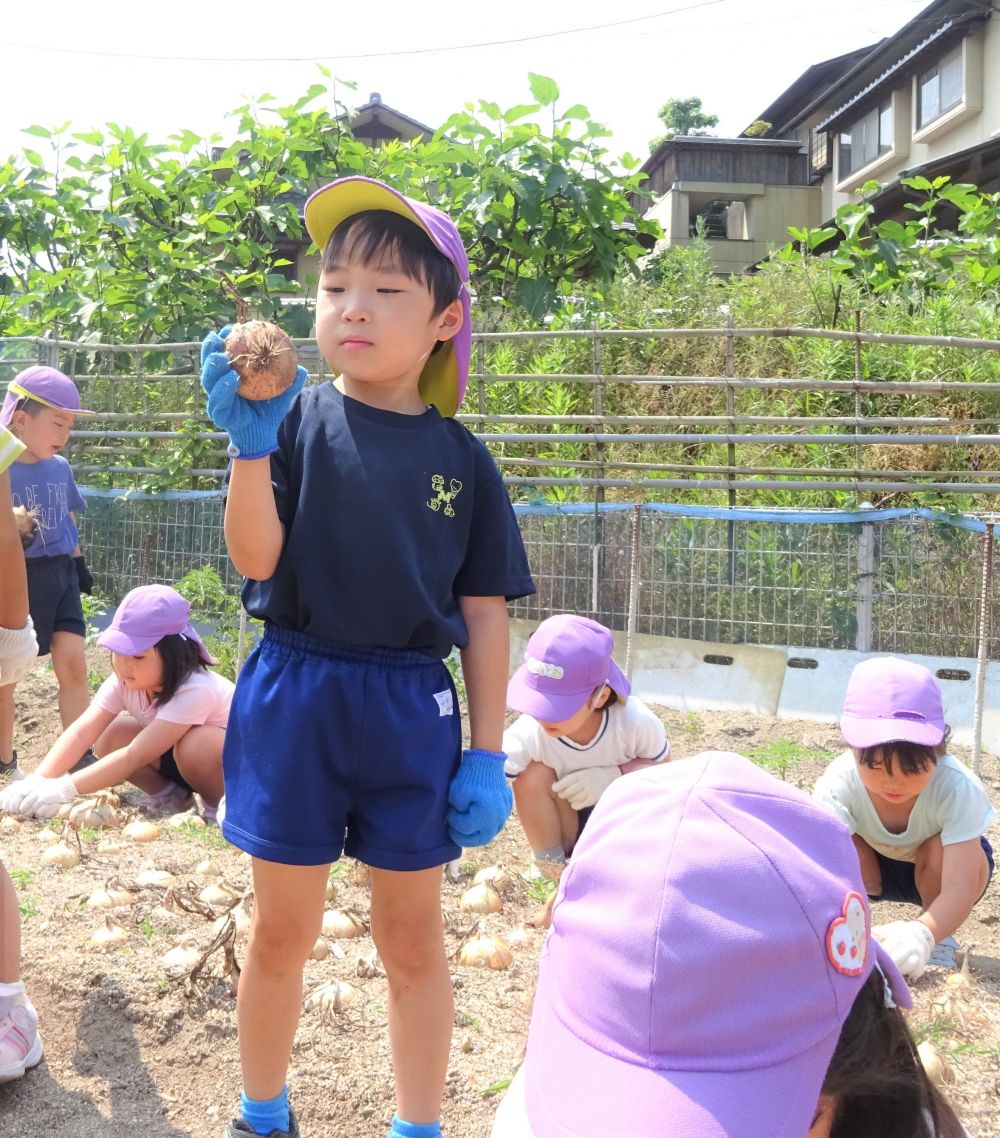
[890, 581]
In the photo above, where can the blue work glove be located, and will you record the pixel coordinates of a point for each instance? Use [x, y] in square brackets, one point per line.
[252, 424]
[480, 798]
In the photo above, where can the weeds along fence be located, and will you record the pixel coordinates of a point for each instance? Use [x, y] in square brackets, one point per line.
[751, 453]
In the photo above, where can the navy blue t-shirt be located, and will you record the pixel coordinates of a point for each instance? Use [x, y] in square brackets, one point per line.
[388, 519]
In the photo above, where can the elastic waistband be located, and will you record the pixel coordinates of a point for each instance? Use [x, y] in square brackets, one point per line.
[292, 640]
[29, 561]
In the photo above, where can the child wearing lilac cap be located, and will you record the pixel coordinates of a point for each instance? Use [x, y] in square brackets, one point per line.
[711, 973]
[376, 534]
[917, 815]
[159, 720]
[40, 407]
[580, 730]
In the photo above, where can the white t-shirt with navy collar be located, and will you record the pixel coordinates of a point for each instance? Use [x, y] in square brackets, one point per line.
[628, 731]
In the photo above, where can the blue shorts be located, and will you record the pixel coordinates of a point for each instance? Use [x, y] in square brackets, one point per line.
[334, 749]
[54, 598]
[899, 881]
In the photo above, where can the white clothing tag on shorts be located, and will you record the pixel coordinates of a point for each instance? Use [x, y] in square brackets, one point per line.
[446, 705]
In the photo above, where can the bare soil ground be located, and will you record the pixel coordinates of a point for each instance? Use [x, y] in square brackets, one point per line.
[130, 1049]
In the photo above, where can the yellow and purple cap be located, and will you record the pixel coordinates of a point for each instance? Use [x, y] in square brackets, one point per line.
[45, 385]
[446, 373]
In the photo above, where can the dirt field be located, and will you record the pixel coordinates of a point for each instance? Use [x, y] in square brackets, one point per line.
[129, 1049]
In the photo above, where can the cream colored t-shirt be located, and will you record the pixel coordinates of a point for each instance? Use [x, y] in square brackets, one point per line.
[954, 804]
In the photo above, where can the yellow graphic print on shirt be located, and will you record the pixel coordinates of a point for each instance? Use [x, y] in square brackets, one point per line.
[444, 497]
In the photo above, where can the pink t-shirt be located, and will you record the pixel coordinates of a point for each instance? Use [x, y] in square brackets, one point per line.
[202, 700]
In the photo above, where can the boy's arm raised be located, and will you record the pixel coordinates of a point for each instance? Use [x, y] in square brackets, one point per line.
[254, 534]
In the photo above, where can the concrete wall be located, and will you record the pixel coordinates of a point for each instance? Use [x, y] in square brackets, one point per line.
[769, 210]
[693, 675]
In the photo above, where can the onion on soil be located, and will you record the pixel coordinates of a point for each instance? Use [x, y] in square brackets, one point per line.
[343, 924]
[110, 897]
[331, 998]
[142, 831]
[179, 960]
[939, 1067]
[485, 951]
[62, 855]
[263, 357]
[108, 935]
[482, 898]
[505, 881]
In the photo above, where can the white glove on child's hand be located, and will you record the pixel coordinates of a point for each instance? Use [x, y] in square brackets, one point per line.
[13, 794]
[46, 795]
[583, 788]
[18, 653]
[909, 943]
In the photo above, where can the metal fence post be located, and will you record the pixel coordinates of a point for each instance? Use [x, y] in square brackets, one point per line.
[983, 653]
[866, 585]
[597, 549]
[731, 447]
[633, 589]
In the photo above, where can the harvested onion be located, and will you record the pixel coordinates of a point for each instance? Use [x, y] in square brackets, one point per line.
[108, 935]
[263, 357]
[220, 895]
[320, 950]
[142, 831]
[342, 924]
[156, 877]
[110, 897]
[485, 951]
[62, 855]
[179, 960]
[938, 1067]
[331, 998]
[482, 898]
[10, 823]
[502, 879]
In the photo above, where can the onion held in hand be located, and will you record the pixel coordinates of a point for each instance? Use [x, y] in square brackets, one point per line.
[263, 357]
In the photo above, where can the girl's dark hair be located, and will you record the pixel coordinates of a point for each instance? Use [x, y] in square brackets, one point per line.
[181, 658]
[375, 235]
[31, 407]
[913, 758]
[876, 1079]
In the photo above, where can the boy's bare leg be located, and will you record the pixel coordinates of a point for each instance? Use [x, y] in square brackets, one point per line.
[70, 666]
[10, 930]
[287, 918]
[7, 721]
[409, 934]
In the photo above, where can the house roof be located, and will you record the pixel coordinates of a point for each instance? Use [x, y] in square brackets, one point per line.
[376, 112]
[944, 34]
[783, 112]
[885, 59]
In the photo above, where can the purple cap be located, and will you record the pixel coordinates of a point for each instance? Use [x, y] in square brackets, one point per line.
[446, 373]
[566, 658]
[44, 385]
[708, 940]
[889, 699]
[145, 616]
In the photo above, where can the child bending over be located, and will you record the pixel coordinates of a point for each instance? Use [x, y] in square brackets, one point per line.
[580, 730]
[158, 721]
[917, 815]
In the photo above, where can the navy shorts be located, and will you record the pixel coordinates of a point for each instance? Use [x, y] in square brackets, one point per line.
[899, 881]
[334, 749]
[54, 599]
[169, 770]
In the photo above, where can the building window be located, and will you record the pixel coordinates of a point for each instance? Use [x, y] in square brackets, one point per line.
[940, 88]
[868, 137]
[819, 152]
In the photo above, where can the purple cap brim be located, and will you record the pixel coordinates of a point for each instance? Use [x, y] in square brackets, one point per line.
[115, 640]
[862, 733]
[550, 707]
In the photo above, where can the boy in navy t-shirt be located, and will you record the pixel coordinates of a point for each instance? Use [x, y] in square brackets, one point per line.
[375, 534]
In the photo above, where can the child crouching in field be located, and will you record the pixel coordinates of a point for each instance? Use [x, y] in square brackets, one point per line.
[159, 721]
[20, 1043]
[917, 815]
[580, 730]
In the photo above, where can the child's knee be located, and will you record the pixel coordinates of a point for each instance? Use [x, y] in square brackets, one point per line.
[535, 779]
[407, 957]
[281, 942]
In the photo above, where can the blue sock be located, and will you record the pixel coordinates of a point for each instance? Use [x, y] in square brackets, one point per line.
[403, 1129]
[271, 1114]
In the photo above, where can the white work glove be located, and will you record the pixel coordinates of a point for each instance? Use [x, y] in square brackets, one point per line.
[909, 943]
[18, 653]
[45, 795]
[13, 794]
[583, 788]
